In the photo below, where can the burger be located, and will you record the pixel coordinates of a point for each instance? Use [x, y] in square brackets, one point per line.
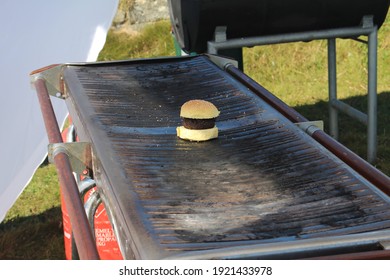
[198, 121]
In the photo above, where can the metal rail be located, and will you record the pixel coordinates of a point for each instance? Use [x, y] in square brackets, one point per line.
[297, 249]
[367, 28]
[369, 255]
[82, 232]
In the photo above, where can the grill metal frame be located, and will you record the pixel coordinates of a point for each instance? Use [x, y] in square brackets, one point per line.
[132, 224]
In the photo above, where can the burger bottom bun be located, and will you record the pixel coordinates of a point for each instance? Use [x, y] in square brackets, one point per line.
[197, 134]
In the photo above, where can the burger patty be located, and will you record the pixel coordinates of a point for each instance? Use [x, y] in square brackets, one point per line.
[198, 123]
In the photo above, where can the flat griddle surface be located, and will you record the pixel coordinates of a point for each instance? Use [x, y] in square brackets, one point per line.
[263, 180]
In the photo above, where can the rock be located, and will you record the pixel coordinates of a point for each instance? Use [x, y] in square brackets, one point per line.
[133, 15]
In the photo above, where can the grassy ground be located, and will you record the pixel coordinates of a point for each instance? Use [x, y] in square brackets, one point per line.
[33, 226]
[296, 73]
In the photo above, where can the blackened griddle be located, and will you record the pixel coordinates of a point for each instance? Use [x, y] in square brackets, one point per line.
[263, 189]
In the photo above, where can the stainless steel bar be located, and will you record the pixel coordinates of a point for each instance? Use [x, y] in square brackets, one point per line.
[349, 110]
[70, 136]
[281, 249]
[332, 81]
[91, 206]
[213, 46]
[372, 95]
[85, 185]
[83, 235]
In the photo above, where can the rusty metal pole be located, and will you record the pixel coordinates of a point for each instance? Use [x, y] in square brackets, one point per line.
[370, 255]
[365, 169]
[85, 243]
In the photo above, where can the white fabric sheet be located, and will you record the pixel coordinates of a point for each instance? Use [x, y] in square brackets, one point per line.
[35, 34]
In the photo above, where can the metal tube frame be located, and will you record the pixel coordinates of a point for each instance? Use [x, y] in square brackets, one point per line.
[91, 206]
[368, 29]
[332, 87]
[292, 249]
[84, 240]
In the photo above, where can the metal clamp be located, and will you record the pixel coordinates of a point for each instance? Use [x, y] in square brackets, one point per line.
[311, 126]
[52, 75]
[79, 154]
[385, 244]
[221, 61]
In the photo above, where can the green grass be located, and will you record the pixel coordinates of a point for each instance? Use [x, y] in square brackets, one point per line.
[296, 73]
[154, 41]
[33, 226]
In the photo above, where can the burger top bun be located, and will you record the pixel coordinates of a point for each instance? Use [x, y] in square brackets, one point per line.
[199, 109]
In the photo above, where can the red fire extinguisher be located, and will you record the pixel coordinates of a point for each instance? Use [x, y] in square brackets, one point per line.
[106, 242]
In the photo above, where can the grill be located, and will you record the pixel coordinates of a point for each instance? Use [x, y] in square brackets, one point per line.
[264, 189]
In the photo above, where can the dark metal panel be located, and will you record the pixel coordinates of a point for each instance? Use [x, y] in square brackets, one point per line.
[194, 22]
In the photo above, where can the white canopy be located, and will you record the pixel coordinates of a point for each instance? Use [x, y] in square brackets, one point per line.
[36, 34]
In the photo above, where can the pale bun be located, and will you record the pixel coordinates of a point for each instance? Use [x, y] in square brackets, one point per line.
[198, 109]
[197, 134]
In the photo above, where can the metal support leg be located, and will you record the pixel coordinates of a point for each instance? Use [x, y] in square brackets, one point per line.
[332, 84]
[367, 28]
[372, 96]
[235, 53]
